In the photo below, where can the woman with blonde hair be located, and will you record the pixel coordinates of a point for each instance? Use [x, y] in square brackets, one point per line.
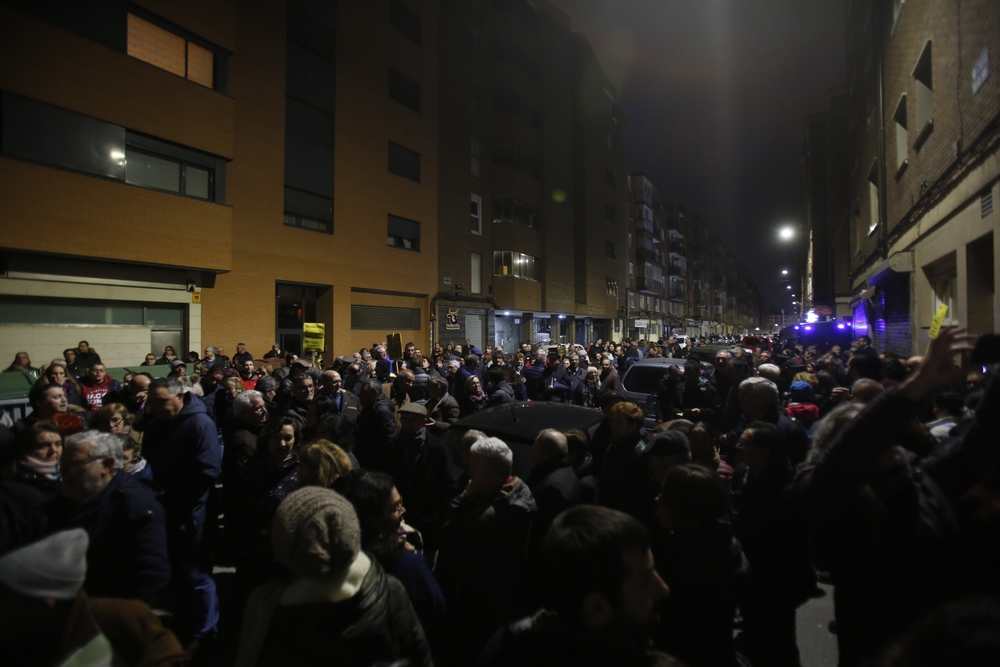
[321, 463]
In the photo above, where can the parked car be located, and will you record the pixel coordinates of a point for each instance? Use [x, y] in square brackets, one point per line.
[517, 424]
[707, 353]
[642, 380]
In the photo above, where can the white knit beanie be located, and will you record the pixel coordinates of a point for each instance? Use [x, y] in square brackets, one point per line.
[316, 533]
[53, 567]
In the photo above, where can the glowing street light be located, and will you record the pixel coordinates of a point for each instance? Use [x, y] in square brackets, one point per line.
[784, 272]
[788, 287]
[786, 233]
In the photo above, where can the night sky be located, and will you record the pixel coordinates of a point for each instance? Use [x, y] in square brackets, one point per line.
[716, 94]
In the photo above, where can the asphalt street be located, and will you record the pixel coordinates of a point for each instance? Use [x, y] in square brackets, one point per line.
[817, 647]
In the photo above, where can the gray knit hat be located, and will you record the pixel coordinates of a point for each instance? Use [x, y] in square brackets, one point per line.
[316, 533]
[53, 567]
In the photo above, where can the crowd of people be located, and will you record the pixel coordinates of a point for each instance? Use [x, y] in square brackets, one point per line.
[358, 528]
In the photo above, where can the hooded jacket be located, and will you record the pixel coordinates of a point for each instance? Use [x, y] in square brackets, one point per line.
[184, 455]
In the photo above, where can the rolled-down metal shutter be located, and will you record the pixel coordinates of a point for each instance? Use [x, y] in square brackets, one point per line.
[385, 318]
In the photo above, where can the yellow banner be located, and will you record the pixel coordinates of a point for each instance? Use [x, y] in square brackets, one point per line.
[313, 336]
[938, 319]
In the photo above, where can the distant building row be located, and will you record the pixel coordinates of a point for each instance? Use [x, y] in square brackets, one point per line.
[187, 174]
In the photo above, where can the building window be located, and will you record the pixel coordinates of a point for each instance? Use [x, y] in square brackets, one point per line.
[631, 270]
[986, 204]
[476, 215]
[516, 265]
[901, 140]
[873, 202]
[508, 209]
[610, 250]
[171, 52]
[631, 240]
[403, 233]
[160, 172]
[42, 133]
[507, 101]
[310, 102]
[923, 75]
[404, 162]
[403, 19]
[476, 156]
[612, 287]
[475, 278]
[404, 90]
[609, 212]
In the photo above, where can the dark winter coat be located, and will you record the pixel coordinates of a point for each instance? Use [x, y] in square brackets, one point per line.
[626, 481]
[444, 413]
[420, 467]
[555, 487]
[127, 555]
[586, 473]
[375, 626]
[772, 528]
[886, 536]
[481, 564]
[701, 395]
[546, 640]
[184, 454]
[376, 427]
[21, 517]
[706, 571]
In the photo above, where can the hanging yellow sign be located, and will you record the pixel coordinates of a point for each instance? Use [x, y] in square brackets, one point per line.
[313, 336]
[938, 320]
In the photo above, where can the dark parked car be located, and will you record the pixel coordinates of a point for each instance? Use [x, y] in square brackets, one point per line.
[517, 424]
[642, 380]
[706, 353]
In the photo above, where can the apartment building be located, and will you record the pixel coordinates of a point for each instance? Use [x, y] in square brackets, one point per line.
[924, 135]
[532, 180]
[182, 173]
[825, 267]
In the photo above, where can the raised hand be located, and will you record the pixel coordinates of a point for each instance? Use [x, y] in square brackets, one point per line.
[939, 367]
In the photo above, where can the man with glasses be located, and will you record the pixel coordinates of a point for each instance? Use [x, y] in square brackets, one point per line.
[303, 393]
[127, 553]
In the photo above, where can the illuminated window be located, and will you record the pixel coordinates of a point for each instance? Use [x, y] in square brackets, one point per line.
[171, 52]
[516, 265]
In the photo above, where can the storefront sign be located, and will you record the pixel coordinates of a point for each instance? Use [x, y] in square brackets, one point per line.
[451, 320]
[641, 324]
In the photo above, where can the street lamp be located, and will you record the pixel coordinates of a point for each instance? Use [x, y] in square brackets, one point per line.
[786, 233]
[788, 287]
[784, 272]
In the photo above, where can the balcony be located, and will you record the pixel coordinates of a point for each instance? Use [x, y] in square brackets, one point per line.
[653, 256]
[649, 285]
[676, 247]
[648, 226]
[676, 269]
[677, 293]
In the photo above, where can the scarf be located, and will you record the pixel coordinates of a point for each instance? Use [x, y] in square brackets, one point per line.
[49, 471]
